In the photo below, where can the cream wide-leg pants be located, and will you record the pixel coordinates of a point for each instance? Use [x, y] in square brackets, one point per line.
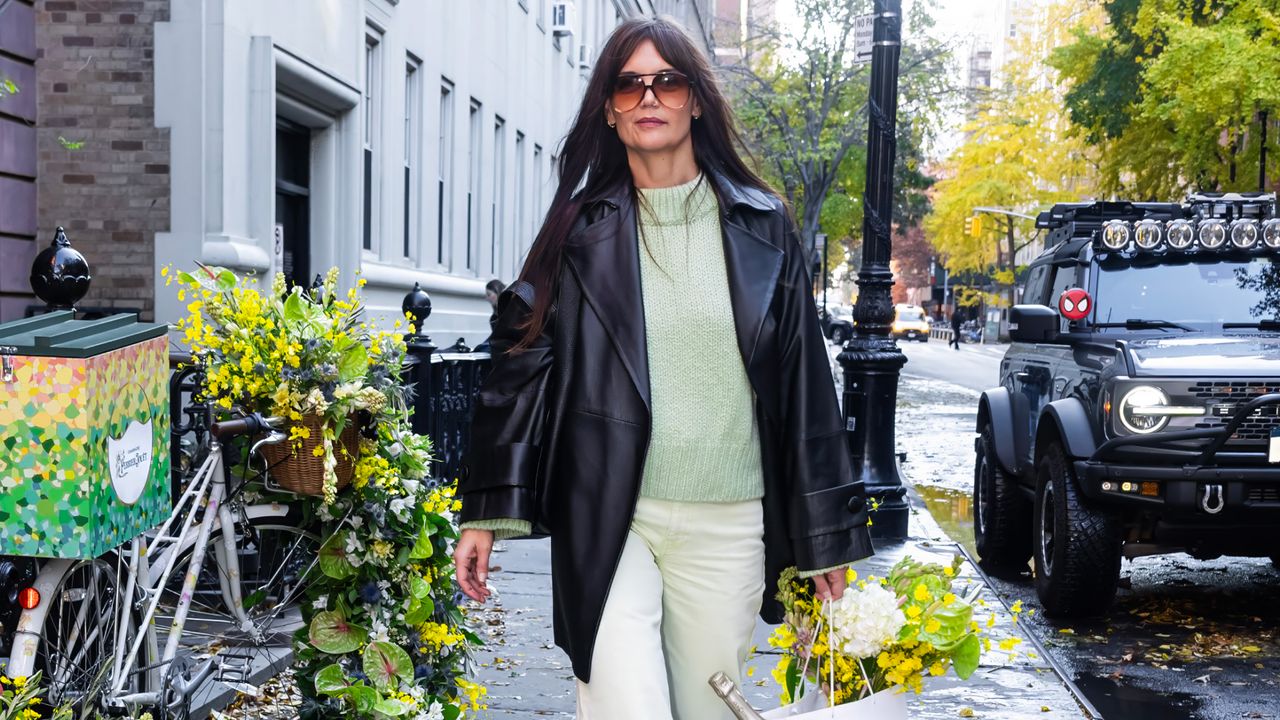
[682, 607]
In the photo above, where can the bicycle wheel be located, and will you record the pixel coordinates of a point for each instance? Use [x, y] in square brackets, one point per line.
[81, 628]
[274, 555]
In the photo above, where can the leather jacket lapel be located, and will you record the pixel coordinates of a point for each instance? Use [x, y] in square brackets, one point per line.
[753, 265]
[606, 261]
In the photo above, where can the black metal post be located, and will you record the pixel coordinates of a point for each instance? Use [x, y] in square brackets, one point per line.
[418, 351]
[871, 359]
[824, 272]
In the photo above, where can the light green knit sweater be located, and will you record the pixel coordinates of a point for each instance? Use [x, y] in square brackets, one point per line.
[705, 446]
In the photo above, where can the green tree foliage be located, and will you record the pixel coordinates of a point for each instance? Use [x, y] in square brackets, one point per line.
[1172, 91]
[802, 104]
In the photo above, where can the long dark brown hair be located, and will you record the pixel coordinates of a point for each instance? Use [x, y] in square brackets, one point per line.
[593, 158]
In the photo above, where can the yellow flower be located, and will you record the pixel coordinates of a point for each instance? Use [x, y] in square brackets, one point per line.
[922, 593]
[913, 611]
[948, 571]
[932, 625]
[948, 599]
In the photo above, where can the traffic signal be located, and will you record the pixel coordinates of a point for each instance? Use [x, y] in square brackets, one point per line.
[974, 226]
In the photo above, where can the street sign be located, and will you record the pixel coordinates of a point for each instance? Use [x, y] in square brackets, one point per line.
[863, 32]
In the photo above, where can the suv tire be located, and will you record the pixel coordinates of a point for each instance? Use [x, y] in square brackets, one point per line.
[838, 335]
[1076, 548]
[1001, 513]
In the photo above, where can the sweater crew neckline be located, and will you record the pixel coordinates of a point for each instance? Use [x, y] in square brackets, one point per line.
[678, 204]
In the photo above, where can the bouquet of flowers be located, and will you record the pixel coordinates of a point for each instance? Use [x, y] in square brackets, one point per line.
[299, 354]
[882, 634]
[383, 635]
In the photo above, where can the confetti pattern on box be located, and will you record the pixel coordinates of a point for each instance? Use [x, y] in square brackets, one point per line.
[56, 415]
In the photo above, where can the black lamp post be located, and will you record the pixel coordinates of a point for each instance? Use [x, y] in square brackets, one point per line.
[871, 359]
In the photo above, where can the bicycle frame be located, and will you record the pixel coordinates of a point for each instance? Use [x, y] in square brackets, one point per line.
[207, 489]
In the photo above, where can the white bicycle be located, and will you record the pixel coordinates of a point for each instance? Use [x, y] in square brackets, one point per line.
[146, 625]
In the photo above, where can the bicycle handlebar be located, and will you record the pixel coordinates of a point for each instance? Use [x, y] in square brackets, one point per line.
[251, 424]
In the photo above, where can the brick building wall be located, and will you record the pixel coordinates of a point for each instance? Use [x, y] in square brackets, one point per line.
[104, 165]
[17, 155]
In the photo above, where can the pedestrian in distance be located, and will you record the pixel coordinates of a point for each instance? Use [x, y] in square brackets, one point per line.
[492, 291]
[660, 401]
[956, 321]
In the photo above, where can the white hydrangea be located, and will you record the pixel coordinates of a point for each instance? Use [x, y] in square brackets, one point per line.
[866, 619]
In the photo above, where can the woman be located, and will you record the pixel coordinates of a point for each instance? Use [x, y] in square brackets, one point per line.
[660, 401]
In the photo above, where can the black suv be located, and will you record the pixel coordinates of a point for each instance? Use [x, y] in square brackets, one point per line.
[1151, 423]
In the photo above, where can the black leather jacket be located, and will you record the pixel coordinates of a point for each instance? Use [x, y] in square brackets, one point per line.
[561, 430]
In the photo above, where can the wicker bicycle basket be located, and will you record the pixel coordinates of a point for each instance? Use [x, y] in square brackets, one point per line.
[295, 466]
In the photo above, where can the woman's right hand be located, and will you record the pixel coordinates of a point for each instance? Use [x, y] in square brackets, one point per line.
[471, 561]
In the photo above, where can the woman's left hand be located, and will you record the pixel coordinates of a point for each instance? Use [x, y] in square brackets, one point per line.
[830, 585]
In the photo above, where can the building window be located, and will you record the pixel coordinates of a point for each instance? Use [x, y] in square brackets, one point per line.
[521, 238]
[412, 131]
[372, 116]
[445, 170]
[474, 157]
[495, 222]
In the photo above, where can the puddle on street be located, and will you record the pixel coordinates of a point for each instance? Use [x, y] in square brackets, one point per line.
[1130, 703]
[953, 510]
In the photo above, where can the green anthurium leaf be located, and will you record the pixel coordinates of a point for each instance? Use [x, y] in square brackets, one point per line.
[353, 363]
[452, 712]
[185, 277]
[364, 698]
[293, 310]
[391, 707]
[333, 558]
[422, 549]
[386, 663]
[331, 681]
[952, 625]
[793, 680]
[420, 611]
[225, 280]
[418, 587]
[966, 655]
[333, 634]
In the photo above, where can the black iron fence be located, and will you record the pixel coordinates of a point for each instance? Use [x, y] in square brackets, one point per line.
[443, 385]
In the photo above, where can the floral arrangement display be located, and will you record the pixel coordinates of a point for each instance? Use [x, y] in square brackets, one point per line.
[383, 634]
[20, 699]
[882, 634]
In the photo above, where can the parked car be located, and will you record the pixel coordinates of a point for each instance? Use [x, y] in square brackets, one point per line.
[1138, 410]
[909, 322]
[837, 322]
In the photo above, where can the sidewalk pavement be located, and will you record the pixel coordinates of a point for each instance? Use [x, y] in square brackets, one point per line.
[529, 677]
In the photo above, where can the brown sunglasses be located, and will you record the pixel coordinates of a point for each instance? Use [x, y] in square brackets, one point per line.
[670, 87]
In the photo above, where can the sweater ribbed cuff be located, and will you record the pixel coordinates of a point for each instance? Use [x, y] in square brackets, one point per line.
[502, 528]
[806, 574]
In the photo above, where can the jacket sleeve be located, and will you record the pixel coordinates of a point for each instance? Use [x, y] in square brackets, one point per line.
[827, 507]
[507, 427]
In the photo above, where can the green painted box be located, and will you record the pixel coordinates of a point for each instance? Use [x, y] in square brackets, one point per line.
[84, 434]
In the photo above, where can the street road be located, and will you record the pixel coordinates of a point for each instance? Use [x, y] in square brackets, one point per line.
[1186, 638]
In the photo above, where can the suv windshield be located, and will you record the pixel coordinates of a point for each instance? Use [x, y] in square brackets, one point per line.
[1203, 293]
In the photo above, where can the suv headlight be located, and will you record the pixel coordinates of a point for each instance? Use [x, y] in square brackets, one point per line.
[1145, 409]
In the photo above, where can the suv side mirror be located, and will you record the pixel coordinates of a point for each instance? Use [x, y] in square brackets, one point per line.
[1033, 323]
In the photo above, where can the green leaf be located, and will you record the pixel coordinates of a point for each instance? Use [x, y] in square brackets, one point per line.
[385, 663]
[452, 712]
[353, 363]
[333, 558]
[793, 680]
[331, 681]
[225, 280]
[254, 598]
[965, 657]
[422, 549]
[331, 633]
[293, 311]
[364, 698]
[391, 707]
[953, 625]
[419, 587]
[185, 277]
[420, 611]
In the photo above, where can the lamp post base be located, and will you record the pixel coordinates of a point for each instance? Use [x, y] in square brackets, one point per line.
[871, 365]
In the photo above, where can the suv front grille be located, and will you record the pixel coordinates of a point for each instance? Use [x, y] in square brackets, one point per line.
[1224, 396]
[1268, 494]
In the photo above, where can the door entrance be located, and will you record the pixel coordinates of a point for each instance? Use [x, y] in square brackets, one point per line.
[293, 198]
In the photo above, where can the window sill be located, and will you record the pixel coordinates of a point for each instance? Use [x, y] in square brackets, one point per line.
[396, 277]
